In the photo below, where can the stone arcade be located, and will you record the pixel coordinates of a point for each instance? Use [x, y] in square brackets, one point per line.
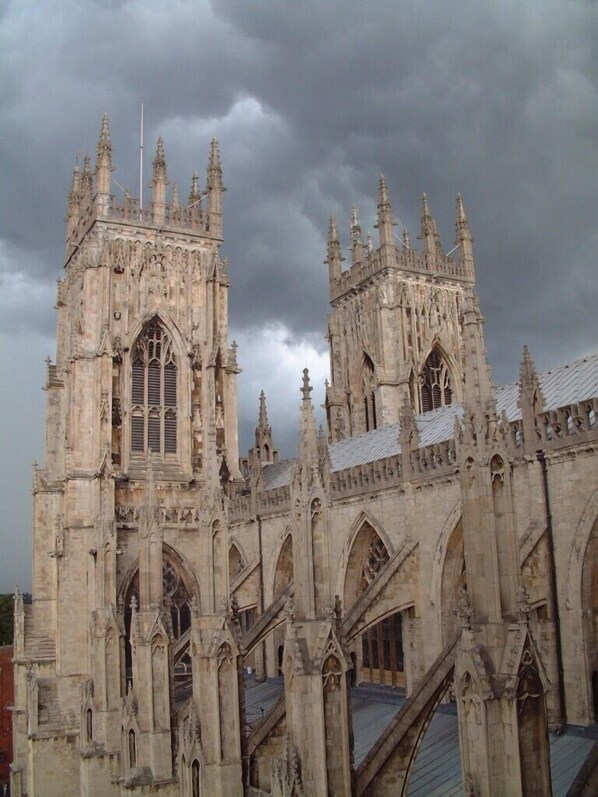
[440, 536]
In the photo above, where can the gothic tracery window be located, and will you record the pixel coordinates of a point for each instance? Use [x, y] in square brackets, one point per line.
[154, 392]
[435, 383]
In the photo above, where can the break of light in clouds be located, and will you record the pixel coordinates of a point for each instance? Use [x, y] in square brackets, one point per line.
[311, 101]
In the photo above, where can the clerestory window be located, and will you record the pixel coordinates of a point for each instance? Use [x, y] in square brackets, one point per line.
[154, 393]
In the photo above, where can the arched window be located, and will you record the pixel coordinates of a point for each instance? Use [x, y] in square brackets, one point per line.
[89, 724]
[435, 383]
[154, 393]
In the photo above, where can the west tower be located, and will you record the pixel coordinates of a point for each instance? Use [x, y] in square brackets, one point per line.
[130, 570]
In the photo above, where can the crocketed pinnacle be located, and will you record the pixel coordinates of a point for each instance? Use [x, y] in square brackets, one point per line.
[214, 178]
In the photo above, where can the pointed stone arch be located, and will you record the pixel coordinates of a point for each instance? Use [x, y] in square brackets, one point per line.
[368, 553]
[446, 573]
[363, 517]
[282, 565]
[582, 615]
[237, 561]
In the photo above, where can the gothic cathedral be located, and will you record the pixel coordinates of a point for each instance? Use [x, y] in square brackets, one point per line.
[440, 537]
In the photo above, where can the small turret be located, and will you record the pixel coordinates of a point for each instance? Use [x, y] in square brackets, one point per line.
[429, 231]
[406, 238]
[385, 221]
[194, 193]
[159, 183]
[214, 190]
[356, 243]
[464, 240]
[334, 254]
[103, 167]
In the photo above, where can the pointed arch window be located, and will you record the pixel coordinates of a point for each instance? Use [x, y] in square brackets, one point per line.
[435, 383]
[154, 393]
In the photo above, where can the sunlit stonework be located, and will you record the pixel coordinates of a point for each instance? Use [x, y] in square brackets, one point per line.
[440, 536]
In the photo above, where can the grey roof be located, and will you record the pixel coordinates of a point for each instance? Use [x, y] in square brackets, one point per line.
[437, 768]
[566, 384]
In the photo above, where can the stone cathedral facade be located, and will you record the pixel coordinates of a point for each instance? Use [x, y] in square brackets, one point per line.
[440, 536]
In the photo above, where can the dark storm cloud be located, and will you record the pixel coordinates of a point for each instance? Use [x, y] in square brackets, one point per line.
[311, 101]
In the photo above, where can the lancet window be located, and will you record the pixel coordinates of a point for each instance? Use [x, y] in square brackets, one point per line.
[435, 383]
[154, 393]
[369, 395]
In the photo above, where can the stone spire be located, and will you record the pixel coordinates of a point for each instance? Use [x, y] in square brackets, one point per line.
[103, 166]
[356, 243]
[464, 240]
[214, 189]
[531, 400]
[159, 183]
[406, 238]
[429, 231]
[478, 383]
[334, 253]
[385, 220]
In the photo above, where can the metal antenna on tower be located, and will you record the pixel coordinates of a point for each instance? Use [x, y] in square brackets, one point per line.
[141, 164]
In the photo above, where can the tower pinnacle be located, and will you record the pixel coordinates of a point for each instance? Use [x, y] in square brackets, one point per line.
[464, 240]
[103, 164]
[429, 231]
[356, 243]
[159, 183]
[385, 220]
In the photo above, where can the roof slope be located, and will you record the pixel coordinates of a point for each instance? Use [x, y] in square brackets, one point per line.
[566, 384]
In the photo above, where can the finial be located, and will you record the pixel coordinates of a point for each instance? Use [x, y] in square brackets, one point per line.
[176, 202]
[356, 244]
[406, 238]
[307, 388]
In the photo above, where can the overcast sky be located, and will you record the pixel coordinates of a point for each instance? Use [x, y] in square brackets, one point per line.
[311, 101]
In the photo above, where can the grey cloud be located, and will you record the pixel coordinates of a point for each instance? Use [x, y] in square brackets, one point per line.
[311, 101]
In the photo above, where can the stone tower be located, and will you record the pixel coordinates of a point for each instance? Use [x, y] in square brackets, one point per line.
[127, 659]
[394, 330]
